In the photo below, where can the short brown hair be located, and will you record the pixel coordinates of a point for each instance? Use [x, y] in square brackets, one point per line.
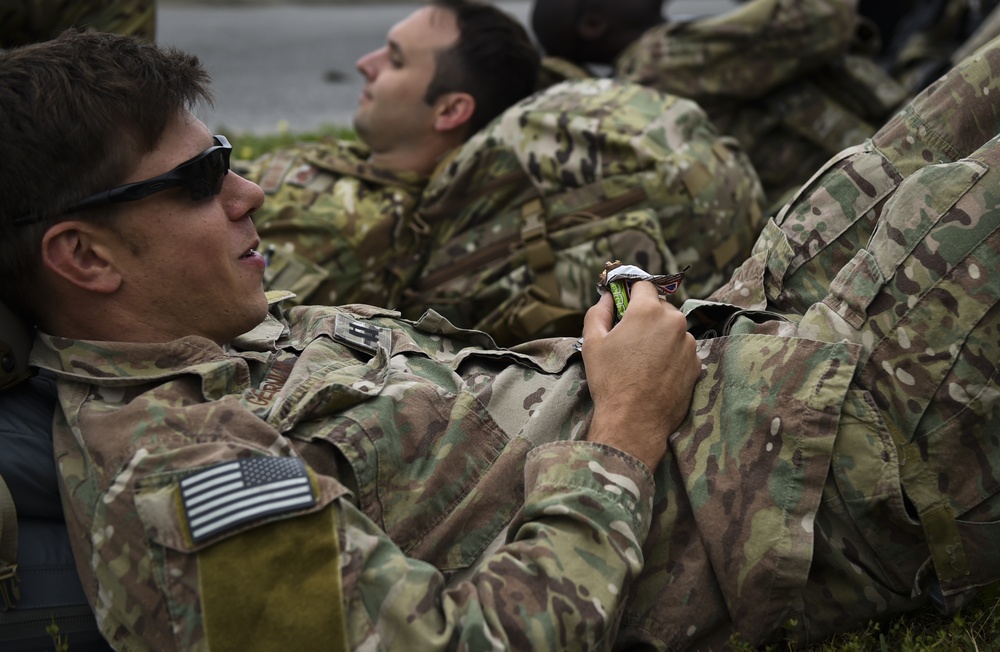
[76, 115]
[493, 60]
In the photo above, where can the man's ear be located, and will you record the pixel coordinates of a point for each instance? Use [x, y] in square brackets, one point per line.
[78, 253]
[454, 110]
[592, 26]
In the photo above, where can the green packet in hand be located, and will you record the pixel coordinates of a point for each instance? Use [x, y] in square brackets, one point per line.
[617, 279]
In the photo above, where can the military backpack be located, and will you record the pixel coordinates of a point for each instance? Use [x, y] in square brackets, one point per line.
[522, 219]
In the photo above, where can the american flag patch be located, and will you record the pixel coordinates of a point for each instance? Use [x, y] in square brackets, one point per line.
[223, 496]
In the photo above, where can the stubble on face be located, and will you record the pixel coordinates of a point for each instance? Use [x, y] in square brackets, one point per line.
[393, 111]
[197, 272]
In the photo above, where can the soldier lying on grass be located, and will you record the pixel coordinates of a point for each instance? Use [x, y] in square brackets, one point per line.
[459, 198]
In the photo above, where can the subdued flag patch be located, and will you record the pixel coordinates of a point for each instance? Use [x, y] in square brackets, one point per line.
[362, 335]
[226, 495]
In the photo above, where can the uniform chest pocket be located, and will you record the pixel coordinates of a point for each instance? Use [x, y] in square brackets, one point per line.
[434, 470]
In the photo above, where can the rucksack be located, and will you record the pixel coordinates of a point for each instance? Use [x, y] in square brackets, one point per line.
[521, 221]
[42, 602]
[332, 222]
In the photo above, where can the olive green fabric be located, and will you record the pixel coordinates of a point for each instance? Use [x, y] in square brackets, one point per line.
[278, 561]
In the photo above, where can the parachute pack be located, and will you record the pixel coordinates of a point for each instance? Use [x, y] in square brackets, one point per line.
[522, 219]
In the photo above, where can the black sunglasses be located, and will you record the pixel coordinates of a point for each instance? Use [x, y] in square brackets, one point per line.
[202, 175]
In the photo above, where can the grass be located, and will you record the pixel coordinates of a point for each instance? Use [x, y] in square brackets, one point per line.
[248, 146]
[976, 628]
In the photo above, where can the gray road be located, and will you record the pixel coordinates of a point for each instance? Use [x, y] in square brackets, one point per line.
[271, 64]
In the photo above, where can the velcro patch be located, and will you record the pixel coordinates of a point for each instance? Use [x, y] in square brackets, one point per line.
[224, 496]
[302, 175]
[275, 173]
[362, 335]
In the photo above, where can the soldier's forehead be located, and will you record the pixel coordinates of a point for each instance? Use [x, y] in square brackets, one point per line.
[426, 28]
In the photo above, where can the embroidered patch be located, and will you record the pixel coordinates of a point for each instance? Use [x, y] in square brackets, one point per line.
[271, 180]
[302, 175]
[361, 334]
[224, 496]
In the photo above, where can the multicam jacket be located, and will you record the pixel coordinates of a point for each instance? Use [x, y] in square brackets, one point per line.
[30, 21]
[774, 74]
[838, 463]
[415, 453]
[339, 229]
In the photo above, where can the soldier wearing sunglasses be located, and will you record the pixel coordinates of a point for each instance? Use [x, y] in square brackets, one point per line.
[140, 239]
[243, 476]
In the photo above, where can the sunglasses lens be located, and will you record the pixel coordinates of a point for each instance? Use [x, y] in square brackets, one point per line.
[204, 176]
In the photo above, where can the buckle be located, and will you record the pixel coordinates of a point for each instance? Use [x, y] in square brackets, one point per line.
[10, 586]
[533, 214]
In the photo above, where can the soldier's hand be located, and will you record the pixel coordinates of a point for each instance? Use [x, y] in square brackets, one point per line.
[641, 373]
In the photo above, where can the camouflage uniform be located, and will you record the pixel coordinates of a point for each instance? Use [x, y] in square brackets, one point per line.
[29, 21]
[340, 227]
[506, 233]
[839, 461]
[926, 41]
[414, 453]
[773, 74]
[890, 250]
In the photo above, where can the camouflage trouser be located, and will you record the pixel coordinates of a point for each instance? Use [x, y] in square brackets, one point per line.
[916, 464]
[864, 332]
[30, 21]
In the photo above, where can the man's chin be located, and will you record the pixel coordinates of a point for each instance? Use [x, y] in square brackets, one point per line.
[360, 125]
[251, 319]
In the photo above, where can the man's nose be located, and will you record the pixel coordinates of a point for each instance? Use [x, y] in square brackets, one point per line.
[243, 196]
[368, 65]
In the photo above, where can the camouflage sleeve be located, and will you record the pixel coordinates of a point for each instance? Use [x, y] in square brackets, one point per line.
[558, 582]
[174, 571]
[743, 53]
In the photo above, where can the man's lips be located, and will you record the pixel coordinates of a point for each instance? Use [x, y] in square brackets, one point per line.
[251, 251]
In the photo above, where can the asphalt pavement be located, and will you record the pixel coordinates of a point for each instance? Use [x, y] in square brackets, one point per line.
[282, 66]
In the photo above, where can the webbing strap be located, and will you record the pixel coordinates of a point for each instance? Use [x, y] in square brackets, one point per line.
[808, 108]
[937, 518]
[527, 316]
[9, 583]
[535, 317]
[539, 256]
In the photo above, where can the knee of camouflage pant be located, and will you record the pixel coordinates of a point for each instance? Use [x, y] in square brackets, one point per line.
[933, 249]
[835, 213]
